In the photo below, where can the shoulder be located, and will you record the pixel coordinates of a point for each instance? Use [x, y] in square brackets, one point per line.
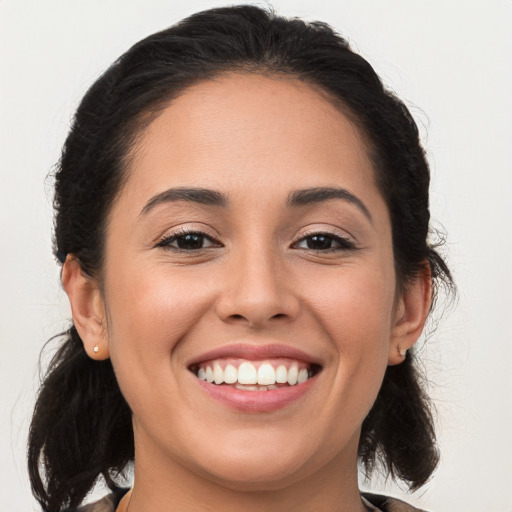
[387, 504]
[107, 504]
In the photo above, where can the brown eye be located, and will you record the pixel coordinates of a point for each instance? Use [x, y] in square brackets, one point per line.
[324, 242]
[192, 241]
[319, 242]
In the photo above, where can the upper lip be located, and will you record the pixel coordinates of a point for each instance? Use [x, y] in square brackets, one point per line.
[255, 352]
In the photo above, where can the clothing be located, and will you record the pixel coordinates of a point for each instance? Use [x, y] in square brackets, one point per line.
[387, 504]
[373, 501]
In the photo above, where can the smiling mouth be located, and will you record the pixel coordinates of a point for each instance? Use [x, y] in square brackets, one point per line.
[261, 375]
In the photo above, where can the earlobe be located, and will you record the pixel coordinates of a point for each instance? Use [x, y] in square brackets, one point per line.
[410, 315]
[87, 308]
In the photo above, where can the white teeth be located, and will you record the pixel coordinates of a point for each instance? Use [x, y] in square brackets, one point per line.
[293, 374]
[218, 374]
[247, 388]
[303, 376]
[266, 374]
[281, 374]
[230, 374]
[247, 374]
[250, 378]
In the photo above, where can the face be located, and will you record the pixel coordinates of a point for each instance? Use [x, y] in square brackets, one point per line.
[250, 246]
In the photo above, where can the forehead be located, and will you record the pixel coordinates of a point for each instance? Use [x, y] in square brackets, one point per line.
[243, 129]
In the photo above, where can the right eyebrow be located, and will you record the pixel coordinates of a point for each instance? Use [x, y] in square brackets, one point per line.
[308, 196]
[191, 194]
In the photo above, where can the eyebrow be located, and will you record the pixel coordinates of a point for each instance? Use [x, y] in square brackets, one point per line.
[297, 198]
[320, 194]
[195, 195]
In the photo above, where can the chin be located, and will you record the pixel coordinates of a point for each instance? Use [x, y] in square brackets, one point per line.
[259, 461]
[261, 474]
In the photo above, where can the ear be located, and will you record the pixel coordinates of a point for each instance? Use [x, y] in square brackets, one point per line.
[87, 307]
[411, 312]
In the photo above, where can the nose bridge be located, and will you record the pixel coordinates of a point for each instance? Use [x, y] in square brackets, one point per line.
[257, 287]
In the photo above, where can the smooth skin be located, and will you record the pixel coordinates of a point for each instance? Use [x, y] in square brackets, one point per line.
[256, 275]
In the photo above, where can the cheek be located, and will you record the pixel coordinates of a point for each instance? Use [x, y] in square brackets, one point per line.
[355, 312]
[150, 312]
[355, 308]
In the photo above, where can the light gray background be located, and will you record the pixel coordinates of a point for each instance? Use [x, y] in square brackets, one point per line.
[450, 61]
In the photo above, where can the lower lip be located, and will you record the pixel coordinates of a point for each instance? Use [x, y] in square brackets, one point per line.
[256, 401]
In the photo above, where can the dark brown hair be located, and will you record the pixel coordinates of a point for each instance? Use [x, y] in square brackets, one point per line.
[81, 427]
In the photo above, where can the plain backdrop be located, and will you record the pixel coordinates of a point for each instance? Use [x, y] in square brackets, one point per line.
[450, 60]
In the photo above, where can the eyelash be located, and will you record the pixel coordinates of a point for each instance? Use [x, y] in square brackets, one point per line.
[344, 244]
[167, 240]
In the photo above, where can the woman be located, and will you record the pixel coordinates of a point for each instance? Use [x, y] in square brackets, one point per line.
[242, 218]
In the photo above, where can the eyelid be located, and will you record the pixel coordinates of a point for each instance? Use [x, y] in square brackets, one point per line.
[174, 233]
[346, 239]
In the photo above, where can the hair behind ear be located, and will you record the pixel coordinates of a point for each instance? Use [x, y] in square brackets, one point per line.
[81, 427]
[399, 430]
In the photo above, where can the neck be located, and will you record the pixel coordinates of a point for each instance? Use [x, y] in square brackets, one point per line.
[160, 481]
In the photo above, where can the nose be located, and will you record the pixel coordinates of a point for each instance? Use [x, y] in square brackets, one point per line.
[257, 290]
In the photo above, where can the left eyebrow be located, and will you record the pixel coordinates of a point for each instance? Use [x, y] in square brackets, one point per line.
[191, 194]
[319, 194]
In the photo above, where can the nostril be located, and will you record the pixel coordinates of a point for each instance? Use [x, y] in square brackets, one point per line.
[238, 316]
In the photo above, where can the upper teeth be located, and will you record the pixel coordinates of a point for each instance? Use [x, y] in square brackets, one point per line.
[264, 374]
